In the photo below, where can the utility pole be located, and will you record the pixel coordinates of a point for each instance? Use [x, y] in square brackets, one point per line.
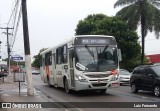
[8, 51]
[0, 52]
[30, 90]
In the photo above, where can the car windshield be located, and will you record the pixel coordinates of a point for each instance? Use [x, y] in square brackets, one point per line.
[124, 72]
[156, 69]
[96, 59]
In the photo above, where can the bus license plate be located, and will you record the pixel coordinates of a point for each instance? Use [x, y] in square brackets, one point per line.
[115, 84]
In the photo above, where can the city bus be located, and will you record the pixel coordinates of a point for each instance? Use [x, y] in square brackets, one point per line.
[85, 62]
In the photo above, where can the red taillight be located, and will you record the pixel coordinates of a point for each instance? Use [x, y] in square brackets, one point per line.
[114, 72]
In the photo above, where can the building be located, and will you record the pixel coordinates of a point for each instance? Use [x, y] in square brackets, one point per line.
[155, 58]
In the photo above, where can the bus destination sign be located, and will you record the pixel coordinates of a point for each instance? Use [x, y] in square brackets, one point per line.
[94, 41]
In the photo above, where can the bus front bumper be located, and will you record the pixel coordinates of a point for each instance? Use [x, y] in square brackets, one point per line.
[95, 86]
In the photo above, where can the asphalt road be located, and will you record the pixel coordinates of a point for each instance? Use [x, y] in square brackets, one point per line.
[121, 94]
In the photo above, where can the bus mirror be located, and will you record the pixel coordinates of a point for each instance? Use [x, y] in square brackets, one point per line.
[72, 53]
[119, 55]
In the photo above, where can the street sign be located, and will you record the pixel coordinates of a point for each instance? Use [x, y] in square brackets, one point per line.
[17, 57]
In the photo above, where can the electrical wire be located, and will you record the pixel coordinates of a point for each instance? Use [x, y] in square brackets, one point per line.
[16, 16]
[12, 12]
[17, 25]
[14, 19]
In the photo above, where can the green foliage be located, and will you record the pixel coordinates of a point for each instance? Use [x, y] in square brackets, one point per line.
[37, 59]
[100, 24]
[141, 12]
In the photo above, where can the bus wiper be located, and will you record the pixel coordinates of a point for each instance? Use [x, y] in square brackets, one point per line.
[82, 67]
[89, 50]
[105, 48]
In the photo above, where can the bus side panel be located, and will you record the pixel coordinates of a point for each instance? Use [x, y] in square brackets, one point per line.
[71, 69]
[59, 75]
[51, 75]
[43, 72]
[54, 69]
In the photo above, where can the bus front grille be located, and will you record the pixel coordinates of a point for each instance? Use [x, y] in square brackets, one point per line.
[98, 76]
[99, 84]
[96, 80]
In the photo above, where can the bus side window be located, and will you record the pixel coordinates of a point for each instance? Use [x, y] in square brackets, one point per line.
[43, 62]
[65, 54]
[59, 55]
[50, 58]
[40, 61]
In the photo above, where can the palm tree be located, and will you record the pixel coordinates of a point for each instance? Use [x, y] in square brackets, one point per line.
[141, 12]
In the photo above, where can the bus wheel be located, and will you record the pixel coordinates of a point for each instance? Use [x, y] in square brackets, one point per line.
[66, 86]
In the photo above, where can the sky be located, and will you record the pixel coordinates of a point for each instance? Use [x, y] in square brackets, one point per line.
[53, 21]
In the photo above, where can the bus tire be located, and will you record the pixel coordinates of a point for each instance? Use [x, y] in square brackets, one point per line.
[66, 86]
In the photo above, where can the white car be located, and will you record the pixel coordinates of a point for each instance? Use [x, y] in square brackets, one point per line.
[36, 72]
[124, 76]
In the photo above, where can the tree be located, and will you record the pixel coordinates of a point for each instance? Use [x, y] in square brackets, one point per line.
[37, 59]
[141, 12]
[100, 24]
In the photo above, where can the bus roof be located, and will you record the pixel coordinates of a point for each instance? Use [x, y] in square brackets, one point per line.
[93, 36]
[72, 39]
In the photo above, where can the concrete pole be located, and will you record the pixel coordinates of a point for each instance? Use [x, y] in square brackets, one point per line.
[30, 91]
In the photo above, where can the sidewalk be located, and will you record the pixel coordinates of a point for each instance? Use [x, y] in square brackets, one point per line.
[9, 92]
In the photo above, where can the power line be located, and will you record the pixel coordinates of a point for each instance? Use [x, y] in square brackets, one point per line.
[16, 29]
[12, 12]
[16, 19]
[15, 16]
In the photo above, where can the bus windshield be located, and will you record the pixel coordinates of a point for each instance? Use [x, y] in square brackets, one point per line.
[96, 59]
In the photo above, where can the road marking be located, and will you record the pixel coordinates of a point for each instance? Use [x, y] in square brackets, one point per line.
[144, 97]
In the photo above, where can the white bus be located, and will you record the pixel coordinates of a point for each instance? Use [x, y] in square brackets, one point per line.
[86, 62]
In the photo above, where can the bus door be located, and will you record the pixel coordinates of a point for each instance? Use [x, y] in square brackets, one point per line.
[59, 67]
[65, 67]
[71, 68]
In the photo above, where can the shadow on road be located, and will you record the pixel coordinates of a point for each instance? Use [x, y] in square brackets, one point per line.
[85, 93]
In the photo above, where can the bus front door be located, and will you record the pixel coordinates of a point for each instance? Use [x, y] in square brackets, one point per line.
[71, 67]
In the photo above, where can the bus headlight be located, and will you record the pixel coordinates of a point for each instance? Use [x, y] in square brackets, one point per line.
[114, 78]
[81, 78]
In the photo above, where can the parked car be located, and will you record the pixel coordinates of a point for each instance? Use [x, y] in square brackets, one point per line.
[3, 71]
[158, 63]
[146, 77]
[36, 72]
[124, 76]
